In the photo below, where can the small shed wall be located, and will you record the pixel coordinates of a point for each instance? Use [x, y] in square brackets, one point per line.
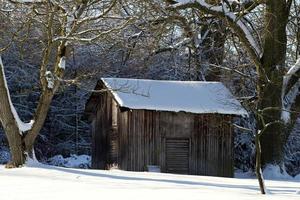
[141, 137]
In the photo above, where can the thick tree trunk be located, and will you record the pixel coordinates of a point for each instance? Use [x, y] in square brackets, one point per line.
[21, 145]
[273, 139]
[9, 123]
[269, 91]
[45, 100]
[39, 119]
[16, 147]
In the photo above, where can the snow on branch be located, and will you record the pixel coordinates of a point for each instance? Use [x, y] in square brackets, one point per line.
[294, 69]
[23, 127]
[50, 79]
[94, 37]
[235, 22]
[288, 100]
[62, 63]
[27, 1]
[172, 47]
[289, 95]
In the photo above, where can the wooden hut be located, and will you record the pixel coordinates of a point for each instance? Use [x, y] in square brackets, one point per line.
[174, 126]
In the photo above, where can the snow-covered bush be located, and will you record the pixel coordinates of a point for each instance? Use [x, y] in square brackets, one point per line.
[4, 152]
[275, 172]
[74, 161]
[292, 151]
[271, 172]
[4, 155]
[113, 166]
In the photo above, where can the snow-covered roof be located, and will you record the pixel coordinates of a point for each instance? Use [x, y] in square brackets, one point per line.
[187, 96]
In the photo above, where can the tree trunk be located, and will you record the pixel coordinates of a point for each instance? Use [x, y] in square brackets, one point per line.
[271, 78]
[258, 171]
[19, 144]
[213, 47]
[16, 146]
[39, 119]
[9, 123]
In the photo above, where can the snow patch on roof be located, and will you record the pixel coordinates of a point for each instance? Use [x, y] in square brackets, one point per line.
[176, 96]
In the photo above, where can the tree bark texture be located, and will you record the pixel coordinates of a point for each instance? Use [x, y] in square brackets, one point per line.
[258, 165]
[39, 119]
[213, 47]
[9, 124]
[21, 145]
[271, 78]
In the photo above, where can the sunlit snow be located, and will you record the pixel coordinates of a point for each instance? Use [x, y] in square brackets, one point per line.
[37, 181]
[176, 96]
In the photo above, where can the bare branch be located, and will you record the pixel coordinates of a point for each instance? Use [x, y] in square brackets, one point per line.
[234, 22]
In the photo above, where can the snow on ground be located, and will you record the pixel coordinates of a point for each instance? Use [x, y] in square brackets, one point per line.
[74, 161]
[37, 181]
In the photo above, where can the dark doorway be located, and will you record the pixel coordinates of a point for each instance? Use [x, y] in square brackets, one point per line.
[177, 155]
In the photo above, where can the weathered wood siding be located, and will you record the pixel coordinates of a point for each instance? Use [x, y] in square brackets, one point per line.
[213, 141]
[100, 132]
[139, 140]
[134, 139]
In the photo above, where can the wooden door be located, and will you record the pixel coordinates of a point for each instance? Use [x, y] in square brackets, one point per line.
[177, 153]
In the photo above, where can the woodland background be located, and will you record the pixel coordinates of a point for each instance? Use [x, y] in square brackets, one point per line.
[153, 45]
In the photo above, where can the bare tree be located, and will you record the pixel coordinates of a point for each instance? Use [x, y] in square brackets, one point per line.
[62, 24]
[277, 88]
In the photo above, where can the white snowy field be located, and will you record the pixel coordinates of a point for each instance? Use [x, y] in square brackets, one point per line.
[42, 182]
